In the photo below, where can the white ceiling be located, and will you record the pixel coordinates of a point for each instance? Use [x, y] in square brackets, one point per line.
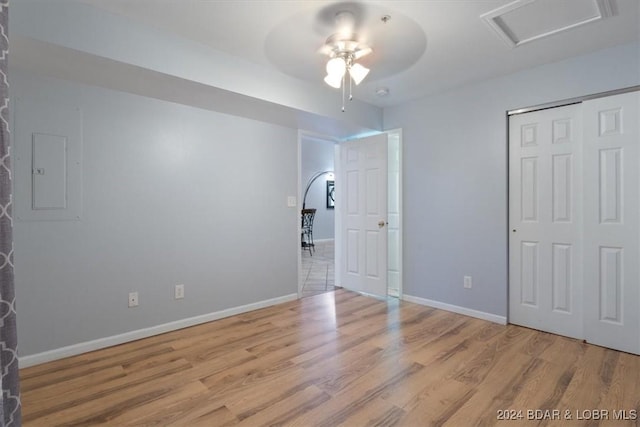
[427, 47]
[460, 46]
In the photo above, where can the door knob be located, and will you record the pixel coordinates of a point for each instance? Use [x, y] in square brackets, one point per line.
[381, 224]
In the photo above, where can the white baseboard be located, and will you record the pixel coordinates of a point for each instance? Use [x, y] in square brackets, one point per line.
[322, 240]
[84, 347]
[456, 309]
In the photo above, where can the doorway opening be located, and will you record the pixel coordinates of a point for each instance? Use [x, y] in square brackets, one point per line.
[319, 266]
[316, 265]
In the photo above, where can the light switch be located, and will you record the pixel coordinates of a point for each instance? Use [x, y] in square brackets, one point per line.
[292, 202]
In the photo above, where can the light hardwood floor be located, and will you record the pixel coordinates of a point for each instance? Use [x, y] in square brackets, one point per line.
[338, 358]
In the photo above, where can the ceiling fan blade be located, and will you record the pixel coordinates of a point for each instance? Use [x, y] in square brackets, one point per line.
[326, 50]
[362, 52]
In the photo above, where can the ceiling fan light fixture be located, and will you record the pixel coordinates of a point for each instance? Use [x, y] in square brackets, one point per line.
[358, 73]
[336, 67]
[344, 48]
[333, 80]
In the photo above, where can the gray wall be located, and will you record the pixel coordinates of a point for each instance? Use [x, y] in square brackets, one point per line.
[172, 194]
[316, 156]
[455, 173]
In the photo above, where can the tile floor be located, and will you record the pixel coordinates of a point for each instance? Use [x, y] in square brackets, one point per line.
[317, 272]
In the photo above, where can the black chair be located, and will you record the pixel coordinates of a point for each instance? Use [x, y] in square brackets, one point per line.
[307, 229]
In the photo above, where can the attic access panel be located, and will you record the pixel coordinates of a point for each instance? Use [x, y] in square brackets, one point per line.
[524, 21]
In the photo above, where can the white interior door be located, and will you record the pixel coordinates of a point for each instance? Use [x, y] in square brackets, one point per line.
[612, 212]
[545, 217]
[363, 210]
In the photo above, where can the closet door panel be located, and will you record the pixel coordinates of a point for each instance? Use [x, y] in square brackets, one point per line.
[545, 208]
[611, 221]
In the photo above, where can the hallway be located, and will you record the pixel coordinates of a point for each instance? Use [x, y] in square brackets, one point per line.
[318, 271]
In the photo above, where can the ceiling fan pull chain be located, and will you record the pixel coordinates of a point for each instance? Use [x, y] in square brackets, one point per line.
[350, 94]
[342, 94]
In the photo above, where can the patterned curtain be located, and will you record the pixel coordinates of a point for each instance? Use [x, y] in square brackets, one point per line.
[9, 381]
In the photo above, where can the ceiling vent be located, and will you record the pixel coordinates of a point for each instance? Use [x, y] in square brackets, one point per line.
[524, 21]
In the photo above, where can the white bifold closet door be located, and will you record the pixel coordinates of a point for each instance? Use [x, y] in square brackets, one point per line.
[574, 191]
[546, 220]
[612, 216]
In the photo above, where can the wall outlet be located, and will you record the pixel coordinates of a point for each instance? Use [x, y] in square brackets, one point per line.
[133, 299]
[467, 282]
[179, 291]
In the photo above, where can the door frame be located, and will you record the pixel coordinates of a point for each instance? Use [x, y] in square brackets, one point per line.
[398, 133]
[337, 238]
[524, 110]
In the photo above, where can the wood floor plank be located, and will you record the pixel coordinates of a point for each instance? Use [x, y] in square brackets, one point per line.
[442, 371]
[438, 404]
[409, 333]
[497, 391]
[287, 409]
[587, 385]
[341, 344]
[332, 359]
[544, 389]
[357, 363]
[360, 394]
[624, 394]
[74, 384]
[73, 367]
[71, 402]
[201, 407]
[446, 355]
[330, 374]
[137, 415]
[565, 352]
[219, 417]
[377, 412]
[493, 356]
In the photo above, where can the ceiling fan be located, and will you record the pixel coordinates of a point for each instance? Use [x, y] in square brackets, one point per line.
[344, 48]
